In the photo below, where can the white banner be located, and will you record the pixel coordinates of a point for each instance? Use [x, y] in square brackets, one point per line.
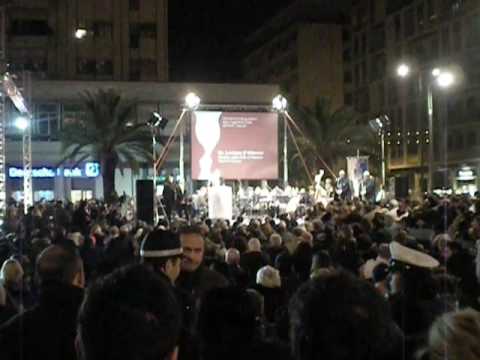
[220, 202]
[356, 166]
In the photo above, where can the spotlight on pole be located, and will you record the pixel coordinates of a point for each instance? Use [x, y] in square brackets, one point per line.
[436, 72]
[22, 123]
[403, 70]
[192, 101]
[80, 33]
[279, 103]
[445, 79]
[157, 120]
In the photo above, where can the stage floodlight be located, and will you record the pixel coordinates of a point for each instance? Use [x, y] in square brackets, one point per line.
[22, 122]
[192, 101]
[157, 120]
[279, 103]
[445, 79]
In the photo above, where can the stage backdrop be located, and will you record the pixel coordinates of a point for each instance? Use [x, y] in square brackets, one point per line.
[234, 145]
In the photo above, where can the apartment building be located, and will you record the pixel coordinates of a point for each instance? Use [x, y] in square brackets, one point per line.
[301, 49]
[425, 34]
[103, 40]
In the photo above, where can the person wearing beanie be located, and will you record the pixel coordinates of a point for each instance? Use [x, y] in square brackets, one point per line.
[161, 250]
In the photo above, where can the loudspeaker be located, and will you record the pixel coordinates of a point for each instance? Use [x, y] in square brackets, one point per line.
[145, 201]
[401, 187]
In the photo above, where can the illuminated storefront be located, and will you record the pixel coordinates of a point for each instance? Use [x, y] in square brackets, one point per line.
[81, 182]
[466, 181]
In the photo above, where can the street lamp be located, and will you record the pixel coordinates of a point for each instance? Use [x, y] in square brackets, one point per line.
[443, 79]
[22, 123]
[279, 104]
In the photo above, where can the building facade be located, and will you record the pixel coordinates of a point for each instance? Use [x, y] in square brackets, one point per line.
[123, 40]
[56, 102]
[424, 34]
[300, 49]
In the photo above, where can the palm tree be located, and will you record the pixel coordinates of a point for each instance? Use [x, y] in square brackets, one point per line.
[107, 135]
[330, 136]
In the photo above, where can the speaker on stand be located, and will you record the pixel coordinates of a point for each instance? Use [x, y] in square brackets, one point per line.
[401, 187]
[145, 201]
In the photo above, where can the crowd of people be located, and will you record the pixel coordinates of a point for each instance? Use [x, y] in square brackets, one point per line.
[348, 280]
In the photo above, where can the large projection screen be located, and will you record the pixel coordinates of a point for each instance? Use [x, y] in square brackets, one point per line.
[234, 145]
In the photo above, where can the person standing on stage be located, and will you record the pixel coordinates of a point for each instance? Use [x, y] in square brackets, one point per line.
[367, 187]
[169, 196]
[344, 190]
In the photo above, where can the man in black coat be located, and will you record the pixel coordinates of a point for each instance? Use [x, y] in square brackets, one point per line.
[195, 278]
[48, 330]
[169, 195]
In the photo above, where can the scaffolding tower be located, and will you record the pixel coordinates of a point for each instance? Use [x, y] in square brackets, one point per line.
[9, 89]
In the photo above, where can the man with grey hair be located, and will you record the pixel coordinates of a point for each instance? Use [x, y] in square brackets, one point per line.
[235, 275]
[275, 247]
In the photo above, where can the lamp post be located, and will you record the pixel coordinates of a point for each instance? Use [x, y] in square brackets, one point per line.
[153, 123]
[379, 125]
[192, 102]
[279, 104]
[443, 79]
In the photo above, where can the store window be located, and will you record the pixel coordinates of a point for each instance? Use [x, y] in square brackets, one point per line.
[43, 195]
[79, 195]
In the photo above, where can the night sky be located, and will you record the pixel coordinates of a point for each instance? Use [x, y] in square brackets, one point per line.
[206, 38]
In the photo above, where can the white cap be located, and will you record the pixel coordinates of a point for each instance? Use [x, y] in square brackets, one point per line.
[412, 257]
[269, 277]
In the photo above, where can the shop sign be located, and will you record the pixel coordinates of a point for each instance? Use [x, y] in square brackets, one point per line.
[90, 170]
[466, 174]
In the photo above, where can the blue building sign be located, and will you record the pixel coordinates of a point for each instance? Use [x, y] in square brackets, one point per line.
[90, 170]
